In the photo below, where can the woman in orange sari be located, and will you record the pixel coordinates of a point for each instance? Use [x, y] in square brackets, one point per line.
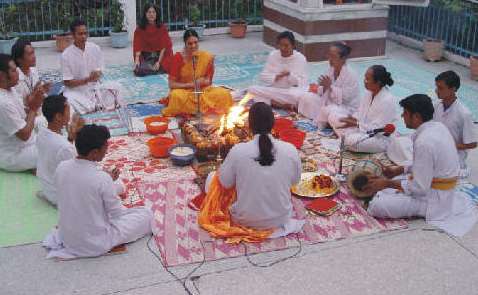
[181, 99]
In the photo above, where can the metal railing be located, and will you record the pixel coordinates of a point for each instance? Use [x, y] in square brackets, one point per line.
[457, 27]
[42, 19]
[214, 13]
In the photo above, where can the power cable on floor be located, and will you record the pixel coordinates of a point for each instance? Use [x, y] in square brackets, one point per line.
[248, 256]
[176, 278]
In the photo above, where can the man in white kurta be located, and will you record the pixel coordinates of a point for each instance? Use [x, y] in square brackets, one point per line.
[428, 190]
[328, 106]
[17, 139]
[82, 66]
[374, 112]
[284, 77]
[53, 145]
[263, 192]
[23, 54]
[455, 116]
[92, 219]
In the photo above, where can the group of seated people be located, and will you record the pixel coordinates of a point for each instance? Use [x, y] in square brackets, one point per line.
[48, 134]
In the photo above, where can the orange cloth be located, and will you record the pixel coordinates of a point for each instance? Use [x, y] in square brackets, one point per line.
[183, 101]
[215, 216]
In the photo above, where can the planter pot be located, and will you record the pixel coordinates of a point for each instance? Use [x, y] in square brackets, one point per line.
[119, 39]
[199, 29]
[63, 41]
[474, 67]
[433, 49]
[6, 45]
[238, 29]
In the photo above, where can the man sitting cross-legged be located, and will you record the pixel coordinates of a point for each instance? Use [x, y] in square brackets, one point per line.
[429, 190]
[17, 139]
[82, 68]
[92, 219]
[53, 147]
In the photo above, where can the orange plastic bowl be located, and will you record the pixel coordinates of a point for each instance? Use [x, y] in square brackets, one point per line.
[159, 146]
[294, 136]
[282, 124]
[156, 124]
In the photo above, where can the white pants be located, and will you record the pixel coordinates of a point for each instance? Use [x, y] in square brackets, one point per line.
[357, 141]
[105, 96]
[310, 105]
[24, 160]
[267, 94]
[451, 211]
[390, 204]
[133, 225]
[313, 107]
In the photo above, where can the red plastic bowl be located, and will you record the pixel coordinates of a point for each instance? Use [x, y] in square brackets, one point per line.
[294, 136]
[159, 146]
[282, 124]
[162, 124]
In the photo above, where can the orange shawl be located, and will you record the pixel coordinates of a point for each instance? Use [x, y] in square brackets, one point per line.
[215, 216]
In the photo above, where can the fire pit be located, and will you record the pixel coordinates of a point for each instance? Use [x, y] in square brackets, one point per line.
[215, 136]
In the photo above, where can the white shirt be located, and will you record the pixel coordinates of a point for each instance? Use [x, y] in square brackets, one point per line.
[377, 112]
[296, 64]
[344, 90]
[435, 156]
[78, 64]
[12, 120]
[87, 203]
[263, 192]
[459, 121]
[54, 149]
[26, 84]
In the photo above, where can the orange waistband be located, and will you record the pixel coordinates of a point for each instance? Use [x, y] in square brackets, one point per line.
[442, 184]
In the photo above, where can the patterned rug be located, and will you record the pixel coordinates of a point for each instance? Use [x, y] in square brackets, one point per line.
[181, 241]
[131, 156]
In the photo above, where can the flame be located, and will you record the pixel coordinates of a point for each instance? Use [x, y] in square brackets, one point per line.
[236, 115]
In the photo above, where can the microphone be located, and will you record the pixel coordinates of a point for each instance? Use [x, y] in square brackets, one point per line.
[194, 60]
[387, 130]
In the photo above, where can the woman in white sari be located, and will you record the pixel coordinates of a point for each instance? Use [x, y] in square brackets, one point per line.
[338, 91]
[283, 80]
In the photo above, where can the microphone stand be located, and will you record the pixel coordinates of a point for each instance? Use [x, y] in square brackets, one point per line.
[197, 91]
[339, 175]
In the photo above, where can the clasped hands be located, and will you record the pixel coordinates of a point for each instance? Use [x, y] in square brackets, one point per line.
[39, 92]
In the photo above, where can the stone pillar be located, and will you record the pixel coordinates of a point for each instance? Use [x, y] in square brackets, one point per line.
[316, 26]
[129, 8]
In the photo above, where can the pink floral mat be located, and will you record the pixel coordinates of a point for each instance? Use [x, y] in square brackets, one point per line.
[131, 155]
[181, 241]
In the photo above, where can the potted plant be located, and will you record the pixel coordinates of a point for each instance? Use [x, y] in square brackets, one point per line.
[433, 49]
[195, 18]
[118, 33]
[6, 39]
[238, 27]
[474, 67]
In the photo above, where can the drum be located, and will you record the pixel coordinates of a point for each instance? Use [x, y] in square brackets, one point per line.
[358, 178]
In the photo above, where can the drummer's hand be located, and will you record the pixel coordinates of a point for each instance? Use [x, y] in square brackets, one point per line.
[375, 184]
[392, 171]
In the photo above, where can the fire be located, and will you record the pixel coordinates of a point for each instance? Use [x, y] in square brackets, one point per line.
[236, 116]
